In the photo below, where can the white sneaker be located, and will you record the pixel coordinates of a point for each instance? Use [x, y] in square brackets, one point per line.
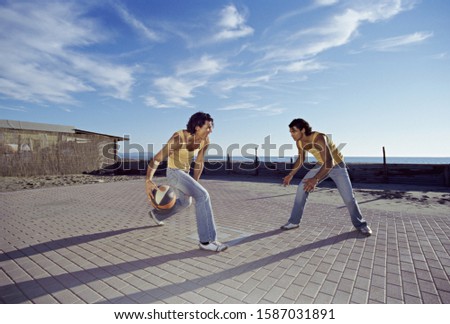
[153, 217]
[365, 230]
[215, 246]
[289, 226]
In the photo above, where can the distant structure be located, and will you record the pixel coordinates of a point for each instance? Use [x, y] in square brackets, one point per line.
[28, 149]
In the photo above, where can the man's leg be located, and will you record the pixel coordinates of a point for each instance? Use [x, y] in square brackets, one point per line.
[340, 176]
[203, 210]
[299, 202]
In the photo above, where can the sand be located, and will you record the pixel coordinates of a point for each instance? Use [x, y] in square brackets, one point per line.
[392, 197]
[35, 182]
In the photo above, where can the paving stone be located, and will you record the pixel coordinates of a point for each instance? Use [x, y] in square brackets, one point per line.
[359, 296]
[98, 245]
[323, 298]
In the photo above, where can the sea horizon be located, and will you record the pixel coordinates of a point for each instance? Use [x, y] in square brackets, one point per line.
[348, 159]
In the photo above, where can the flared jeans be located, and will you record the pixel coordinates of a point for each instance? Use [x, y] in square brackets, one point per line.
[187, 188]
[341, 178]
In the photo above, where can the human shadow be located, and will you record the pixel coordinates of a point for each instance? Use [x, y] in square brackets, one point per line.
[242, 178]
[254, 237]
[16, 293]
[361, 202]
[63, 243]
[274, 196]
[53, 284]
[367, 201]
[160, 293]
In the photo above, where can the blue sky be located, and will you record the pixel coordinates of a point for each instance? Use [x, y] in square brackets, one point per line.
[371, 73]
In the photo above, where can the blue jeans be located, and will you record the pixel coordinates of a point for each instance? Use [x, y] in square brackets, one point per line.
[340, 176]
[187, 188]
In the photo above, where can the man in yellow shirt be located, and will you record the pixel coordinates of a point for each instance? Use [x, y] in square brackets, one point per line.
[180, 151]
[330, 163]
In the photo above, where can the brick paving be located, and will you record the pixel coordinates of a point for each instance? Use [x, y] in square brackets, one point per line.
[96, 244]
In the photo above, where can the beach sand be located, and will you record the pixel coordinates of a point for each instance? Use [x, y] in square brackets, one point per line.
[420, 199]
[391, 197]
[47, 181]
[394, 197]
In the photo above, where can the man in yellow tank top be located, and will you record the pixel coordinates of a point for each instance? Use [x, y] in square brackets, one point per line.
[180, 151]
[330, 163]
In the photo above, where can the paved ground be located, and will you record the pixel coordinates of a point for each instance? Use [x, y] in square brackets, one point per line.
[95, 244]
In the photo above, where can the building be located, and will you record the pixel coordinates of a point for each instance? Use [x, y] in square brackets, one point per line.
[28, 149]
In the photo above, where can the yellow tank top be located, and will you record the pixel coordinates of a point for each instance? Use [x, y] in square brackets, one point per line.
[182, 158]
[337, 156]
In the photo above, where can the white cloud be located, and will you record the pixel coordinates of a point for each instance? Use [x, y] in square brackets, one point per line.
[151, 101]
[177, 91]
[204, 66]
[239, 106]
[138, 25]
[336, 31]
[269, 110]
[398, 42]
[232, 25]
[317, 4]
[254, 82]
[303, 66]
[41, 58]
[324, 3]
[117, 80]
[440, 56]
[190, 75]
[21, 109]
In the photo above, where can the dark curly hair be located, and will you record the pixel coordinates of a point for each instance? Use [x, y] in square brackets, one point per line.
[198, 119]
[300, 124]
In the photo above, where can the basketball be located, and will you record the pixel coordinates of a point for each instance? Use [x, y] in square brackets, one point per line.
[164, 198]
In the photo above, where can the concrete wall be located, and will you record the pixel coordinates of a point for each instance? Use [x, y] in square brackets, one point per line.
[28, 152]
[417, 174]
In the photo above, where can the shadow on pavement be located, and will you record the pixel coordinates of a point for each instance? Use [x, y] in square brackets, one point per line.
[63, 243]
[73, 279]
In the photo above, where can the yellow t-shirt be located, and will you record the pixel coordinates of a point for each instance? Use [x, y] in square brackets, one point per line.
[315, 150]
[182, 158]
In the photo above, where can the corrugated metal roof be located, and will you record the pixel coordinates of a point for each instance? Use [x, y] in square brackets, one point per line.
[80, 131]
[15, 124]
[21, 125]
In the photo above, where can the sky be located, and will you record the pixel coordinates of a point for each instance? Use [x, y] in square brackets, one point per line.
[372, 74]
